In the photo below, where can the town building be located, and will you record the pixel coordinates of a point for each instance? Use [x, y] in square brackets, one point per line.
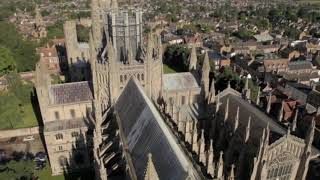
[129, 119]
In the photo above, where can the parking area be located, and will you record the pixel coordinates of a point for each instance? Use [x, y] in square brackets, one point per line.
[26, 144]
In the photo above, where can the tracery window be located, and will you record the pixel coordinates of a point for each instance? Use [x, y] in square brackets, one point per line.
[59, 136]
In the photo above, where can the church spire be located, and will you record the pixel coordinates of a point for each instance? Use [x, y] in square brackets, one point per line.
[248, 130]
[210, 163]
[151, 173]
[236, 120]
[193, 59]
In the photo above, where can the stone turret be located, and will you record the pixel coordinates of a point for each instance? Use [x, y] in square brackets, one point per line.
[195, 146]
[236, 120]
[96, 23]
[210, 163]
[193, 59]
[220, 166]
[188, 135]
[218, 103]
[205, 75]
[114, 4]
[202, 153]
[258, 97]
[151, 173]
[226, 111]
[280, 116]
[232, 176]
[212, 94]
[294, 122]
[269, 103]
[247, 135]
[246, 90]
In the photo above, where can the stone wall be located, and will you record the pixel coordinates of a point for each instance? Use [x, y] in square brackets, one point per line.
[19, 132]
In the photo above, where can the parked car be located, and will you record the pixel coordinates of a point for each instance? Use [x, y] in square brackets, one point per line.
[28, 138]
[40, 165]
[12, 140]
[40, 157]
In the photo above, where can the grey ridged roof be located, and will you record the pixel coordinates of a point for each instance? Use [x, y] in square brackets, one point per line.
[179, 81]
[146, 132]
[300, 65]
[70, 93]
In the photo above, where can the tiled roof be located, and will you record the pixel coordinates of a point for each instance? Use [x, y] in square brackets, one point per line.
[297, 65]
[70, 92]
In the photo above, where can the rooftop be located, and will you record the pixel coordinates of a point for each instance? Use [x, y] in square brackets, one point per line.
[70, 92]
[145, 132]
[297, 65]
[179, 81]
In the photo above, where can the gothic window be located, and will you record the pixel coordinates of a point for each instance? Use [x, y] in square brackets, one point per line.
[142, 77]
[183, 99]
[59, 136]
[138, 77]
[56, 115]
[63, 161]
[75, 134]
[171, 100]
[60, 148]
[121, 80]
[72, 113]
[125, 77]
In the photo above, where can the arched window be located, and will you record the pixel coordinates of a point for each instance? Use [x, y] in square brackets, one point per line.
[121, 78]
[63, 161]
[125, 77]
[138, 76]
[142, 77]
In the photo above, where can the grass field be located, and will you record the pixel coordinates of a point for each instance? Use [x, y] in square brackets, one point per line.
[167, 69]
[45, 174]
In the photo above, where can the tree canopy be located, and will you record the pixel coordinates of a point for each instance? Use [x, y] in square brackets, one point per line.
[22, 51]
[7, 63]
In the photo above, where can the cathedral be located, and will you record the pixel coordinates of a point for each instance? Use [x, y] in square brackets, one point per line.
[123, 117]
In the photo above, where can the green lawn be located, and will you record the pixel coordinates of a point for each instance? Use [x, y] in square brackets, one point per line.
[167, 69]
[16, 109]
[45, 174]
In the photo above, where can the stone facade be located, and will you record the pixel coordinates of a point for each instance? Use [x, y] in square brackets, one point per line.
[222, 134]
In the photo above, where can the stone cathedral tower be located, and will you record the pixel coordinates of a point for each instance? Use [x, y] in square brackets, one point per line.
[118, 52]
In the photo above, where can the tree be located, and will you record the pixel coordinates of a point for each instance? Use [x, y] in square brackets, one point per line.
[17, 170]
[23, 51]
[176, 56]
[7, 63]
[82, 33]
